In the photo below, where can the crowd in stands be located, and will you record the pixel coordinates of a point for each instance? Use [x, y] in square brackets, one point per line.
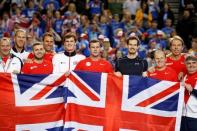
[58, 36]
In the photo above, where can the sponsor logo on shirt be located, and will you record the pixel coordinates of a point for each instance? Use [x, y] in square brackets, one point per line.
[169, 63]
[88, 64]
[75, 62]
[153, 74]
[33, 67]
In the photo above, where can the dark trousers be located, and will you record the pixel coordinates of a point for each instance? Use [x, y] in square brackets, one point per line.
[188, 124]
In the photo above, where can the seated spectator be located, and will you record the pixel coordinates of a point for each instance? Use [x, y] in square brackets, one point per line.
[131, 6]
[95, 7]
[164, 14]
[144, 15]
[152, 31]
[168, 29]
[9, 63]
[104, 26]
[193, 50]
[30, 9]
[162, 72]
[57, 25]
[83, 45]
[115, 24]
[38, 65]
[94, 31]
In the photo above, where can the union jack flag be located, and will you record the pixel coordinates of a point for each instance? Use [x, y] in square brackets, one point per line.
[88, 102]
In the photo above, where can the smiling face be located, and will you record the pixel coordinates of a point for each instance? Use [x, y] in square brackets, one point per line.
[20, 39]
[70, 44]
[132, 46]
[5, 47]
[38, 51]
[176, 47]
[160, 59]
[191, 66]
[48, 43]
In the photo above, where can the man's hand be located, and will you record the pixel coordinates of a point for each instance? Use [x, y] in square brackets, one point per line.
[28, 61]
[180, 76]
[15, 72]
[118, 74]
[151, 69]
[188, 87]
[67, 73]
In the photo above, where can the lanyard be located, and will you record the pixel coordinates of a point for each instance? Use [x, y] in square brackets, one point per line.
[4, 64]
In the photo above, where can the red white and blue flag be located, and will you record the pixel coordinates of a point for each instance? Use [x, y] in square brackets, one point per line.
[88, 102]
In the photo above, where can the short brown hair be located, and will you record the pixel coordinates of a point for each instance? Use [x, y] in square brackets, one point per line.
[192, 58]
[20, 30]
[70, 35]
[94, 41]
[133, 38]
[47, 34]
[36, 43]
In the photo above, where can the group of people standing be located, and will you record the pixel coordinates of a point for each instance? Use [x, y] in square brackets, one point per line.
[44, 60]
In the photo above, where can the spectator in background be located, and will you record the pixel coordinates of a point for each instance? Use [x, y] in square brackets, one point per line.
[66, 61]
[30, 9]
[39, 65]
[84, 26]
[131, 6]
[115, 24]
[162, 72]
[35, 29]
[104, 27]
[116, 39]
[152, 31]
[51, 4]
[94, 31]
[185, 32]
[168, 29]
[164, 14]
[193, 49]
[9, 63]
[57, 25]
[83, 45]
[127, 21]
[108, 52]
[131, 64]
[143, 14]
[153, 8]
[94, 63]
[122, 46]
[95, 7]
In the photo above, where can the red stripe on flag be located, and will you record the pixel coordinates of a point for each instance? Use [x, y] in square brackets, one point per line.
[159, 96]
[83, 88]
[44, 91]
[10, 115]
[112, 118]
[124, 119]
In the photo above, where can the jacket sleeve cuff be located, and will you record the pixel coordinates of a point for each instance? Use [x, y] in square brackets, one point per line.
[194, 92]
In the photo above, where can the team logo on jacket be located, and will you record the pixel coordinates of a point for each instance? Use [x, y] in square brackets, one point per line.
[88, 63]
[75, 62]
